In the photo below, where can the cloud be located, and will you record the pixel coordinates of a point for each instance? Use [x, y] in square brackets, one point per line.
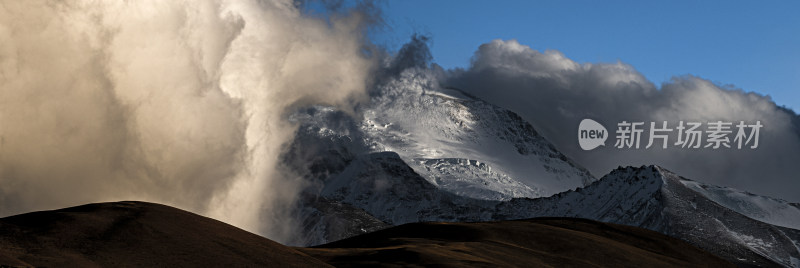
[555, 93]
[178, 102]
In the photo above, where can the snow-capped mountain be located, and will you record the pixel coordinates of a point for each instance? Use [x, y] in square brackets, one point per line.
[465, 145]
[451, 145]
[456, 142]
[418, 152]
[649, 197]
[655, 198]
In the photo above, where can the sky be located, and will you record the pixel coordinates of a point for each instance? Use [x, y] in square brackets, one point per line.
[750, 45]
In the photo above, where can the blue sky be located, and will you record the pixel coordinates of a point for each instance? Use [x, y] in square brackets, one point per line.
[753, 45]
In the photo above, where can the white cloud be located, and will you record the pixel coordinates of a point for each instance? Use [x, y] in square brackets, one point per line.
[178, 102]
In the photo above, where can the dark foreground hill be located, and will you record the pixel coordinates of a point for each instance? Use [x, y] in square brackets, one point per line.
[541, 242]
[143, 234]
[136, 234]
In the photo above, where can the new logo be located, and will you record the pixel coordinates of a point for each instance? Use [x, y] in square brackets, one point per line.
[591, 134]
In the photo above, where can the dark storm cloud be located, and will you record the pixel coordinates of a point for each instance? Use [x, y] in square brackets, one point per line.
[555, 93]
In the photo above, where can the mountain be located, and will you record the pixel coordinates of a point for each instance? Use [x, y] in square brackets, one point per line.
[657, 199]
[649, 197]
[140, 234]
[452, 144]
[418, 152]
[456, 142]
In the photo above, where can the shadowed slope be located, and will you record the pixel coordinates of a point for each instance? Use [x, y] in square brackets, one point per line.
[559, 242]
[136, 234]
[139, 234]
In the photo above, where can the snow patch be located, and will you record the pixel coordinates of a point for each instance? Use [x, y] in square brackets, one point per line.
[765, 209]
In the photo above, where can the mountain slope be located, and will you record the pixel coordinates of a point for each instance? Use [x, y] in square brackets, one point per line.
[557, 242]
[136, 234]
[139, 234]
[654, 198]
[430, 126]
[458, 143]
[766, 209]
[383, 185]
[326, 220]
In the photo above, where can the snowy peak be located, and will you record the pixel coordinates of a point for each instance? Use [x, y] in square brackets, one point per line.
[628, 196]
[413, 116]
[655, 198]
[458, 143]
[762, 208]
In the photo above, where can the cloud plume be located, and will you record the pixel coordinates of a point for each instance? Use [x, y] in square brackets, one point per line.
[555, 93]
[178, 102]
